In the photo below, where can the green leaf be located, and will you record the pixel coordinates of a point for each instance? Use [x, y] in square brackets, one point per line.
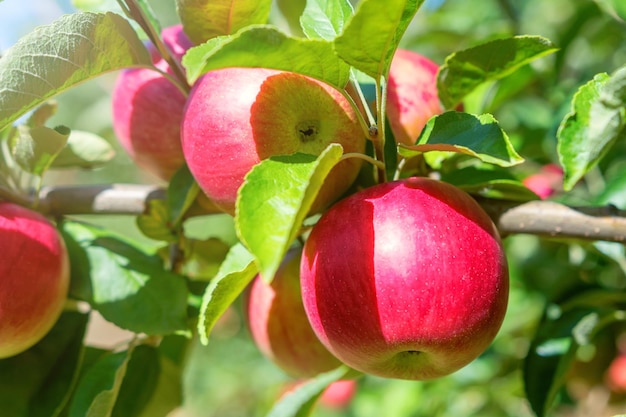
[126, 284]
[235, 273]
[371, 37]
[300, 402]
[596, 121]
[205, 19]
[325, 19]
[53, 58]
[38, 382]
[267, 47]
[84, 150]
[274, 200]
[489, 182]
[477, 136]
[140, 382]
[155, 222]
[181, 193]
[465, 70]
[34, 149]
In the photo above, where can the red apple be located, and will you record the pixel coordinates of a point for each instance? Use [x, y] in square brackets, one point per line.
[279, 326]
[339, 394]
[148, 110]
[616, 374]
[545, 182]
[34, 278]
[236, 117]
[405, 279]
[412, 96]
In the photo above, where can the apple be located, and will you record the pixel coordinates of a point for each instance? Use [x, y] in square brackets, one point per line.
[405, 279]
[34, 278]
[412, 96]
[236, 117]
[148, 110]
[545, 182]
[279, 325]
[616, 374]
[339, 394]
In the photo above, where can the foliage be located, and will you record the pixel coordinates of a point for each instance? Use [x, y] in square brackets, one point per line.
[525, 84]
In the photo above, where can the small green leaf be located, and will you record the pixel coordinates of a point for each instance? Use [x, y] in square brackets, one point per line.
[597, 120]
[38, 382]
[325, 19]
[34, 149]
[203, 257]
[155, 222]
[235, 273]
[181, 193]
[300, 402]
[267, 47]
[371, 36]
[274, 200]
[207, 19]
[477, 136]
[125, 283]
[140, 382]
[55, 57]
[465, 70]
[489, 182]
[84, 150]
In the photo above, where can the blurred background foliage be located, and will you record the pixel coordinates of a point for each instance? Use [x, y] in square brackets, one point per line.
[230, 378]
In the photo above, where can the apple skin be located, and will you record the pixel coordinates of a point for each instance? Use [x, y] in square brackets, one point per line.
[279, 325]
[546, 182]
[405, 279]
[34, 278]
[412, 96]
[339, 394]
[236, 117]
[148, 110]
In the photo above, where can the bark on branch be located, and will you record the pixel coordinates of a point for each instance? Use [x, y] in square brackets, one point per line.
[542, 218]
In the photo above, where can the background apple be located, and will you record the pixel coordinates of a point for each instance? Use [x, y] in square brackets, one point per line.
[412, 96]
[148, 109]
[34, 278]
[339, 394]
[279, 325]
[236, 117]
[405, 279]
[546, 182]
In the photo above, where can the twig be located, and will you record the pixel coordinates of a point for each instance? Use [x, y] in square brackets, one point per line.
[542, 218]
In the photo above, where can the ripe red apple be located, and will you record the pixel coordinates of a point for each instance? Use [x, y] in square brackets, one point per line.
[545, 182]
[616, 374]
[148, 110]
[34, 278]
[236, 117]
[279, 326]
[339, 394]
[412, 96]
[405, 279]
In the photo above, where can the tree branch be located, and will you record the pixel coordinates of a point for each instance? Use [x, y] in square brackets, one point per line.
[542, 218]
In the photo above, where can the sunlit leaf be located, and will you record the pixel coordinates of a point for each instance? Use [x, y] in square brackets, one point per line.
[205, 19]
[477, 136]
[325, 19]
[35, 149]
[274, 200]
[267, 47]
[53, 58]
[465, 70]
[235, 273]
[371, 36]
[127, 285]
[596, 121]
[84, 150]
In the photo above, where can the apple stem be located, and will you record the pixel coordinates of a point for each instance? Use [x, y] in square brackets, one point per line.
[135, 12]
[378, 139]
[378, 164]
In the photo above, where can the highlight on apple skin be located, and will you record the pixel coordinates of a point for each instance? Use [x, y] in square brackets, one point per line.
[236, 117]
[412, 96]
[279, 325]
[405, 279]
[34, 278]
[148, 109]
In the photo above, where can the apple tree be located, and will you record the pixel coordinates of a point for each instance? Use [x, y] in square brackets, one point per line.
[235, 206]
